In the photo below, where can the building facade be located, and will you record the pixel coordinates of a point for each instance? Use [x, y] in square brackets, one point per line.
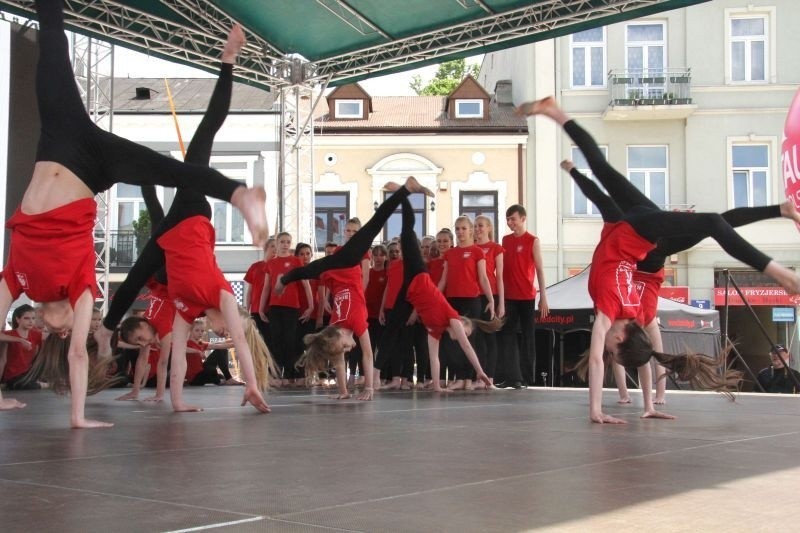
[690, 105]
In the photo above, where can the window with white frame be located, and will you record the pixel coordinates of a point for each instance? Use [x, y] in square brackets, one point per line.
[130, 205]
[588, 58]
[469, 108]
[331, 212]
[394, 225]
[228, 222]
[349, 108]
[749, 48]
[750, 166]
[580, 204]
[474, 203]
[647, 170]
[646, 56]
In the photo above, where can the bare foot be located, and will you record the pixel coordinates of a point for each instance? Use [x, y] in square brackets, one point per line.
[456, 385]
[184, 408]
[391, 186]
[253, 395]
[251, 202]
[606, 419]
[468, 384]
[788, 279]
[406, 385]
[440, 389]
[102, 336]
[234, 381]
[567, 165]
[341, 396]
[624, 400]
[155, 399]
[486, 381]
[392, 385]
[789, 210]
[85, 423]
[414, 186]
[7, 404]
[538, 107]
[234, 44]
[660, 401]
[132, 395]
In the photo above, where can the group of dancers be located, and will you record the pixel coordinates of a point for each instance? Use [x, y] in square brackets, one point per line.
[51, 259]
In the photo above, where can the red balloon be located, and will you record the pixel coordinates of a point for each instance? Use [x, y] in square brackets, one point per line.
[790, 152]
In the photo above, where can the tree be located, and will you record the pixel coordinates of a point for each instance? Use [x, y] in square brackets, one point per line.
[141, 230]
[447, 78]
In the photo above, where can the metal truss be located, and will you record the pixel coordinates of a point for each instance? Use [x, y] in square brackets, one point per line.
[543, 17]
[199, 33]
[296, 179]
[93, 65]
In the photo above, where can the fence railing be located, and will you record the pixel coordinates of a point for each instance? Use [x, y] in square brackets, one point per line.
[123, 249]
[668, 86]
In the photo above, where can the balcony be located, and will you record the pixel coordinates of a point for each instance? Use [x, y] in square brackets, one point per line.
[123, 249]
[636, 94]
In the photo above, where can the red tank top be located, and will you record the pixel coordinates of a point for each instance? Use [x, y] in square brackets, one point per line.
[519, 270]
[462, 272]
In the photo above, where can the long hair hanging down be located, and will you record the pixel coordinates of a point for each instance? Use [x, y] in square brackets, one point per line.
[51, 365]
[487, 326]
[701, 371]
[263, 363]
[321, 350]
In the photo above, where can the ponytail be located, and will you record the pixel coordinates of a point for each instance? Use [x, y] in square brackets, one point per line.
[701, 371]
[263, 363]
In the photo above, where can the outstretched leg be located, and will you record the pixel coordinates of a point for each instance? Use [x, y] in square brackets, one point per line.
[609, 209]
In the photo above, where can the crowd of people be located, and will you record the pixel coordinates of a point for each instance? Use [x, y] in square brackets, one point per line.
[454, 311]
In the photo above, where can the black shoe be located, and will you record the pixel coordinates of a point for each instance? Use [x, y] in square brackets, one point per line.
[517, 385]
[502, 385]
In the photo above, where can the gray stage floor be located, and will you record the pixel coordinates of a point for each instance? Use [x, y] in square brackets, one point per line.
[492, 461]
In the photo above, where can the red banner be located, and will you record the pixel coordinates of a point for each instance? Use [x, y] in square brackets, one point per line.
[678, 294]
[756, 296]
[790, 156]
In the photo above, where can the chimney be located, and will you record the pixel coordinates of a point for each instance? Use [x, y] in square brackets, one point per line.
[502, 92]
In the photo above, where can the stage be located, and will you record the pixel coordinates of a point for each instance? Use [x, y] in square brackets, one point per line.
[503, 460]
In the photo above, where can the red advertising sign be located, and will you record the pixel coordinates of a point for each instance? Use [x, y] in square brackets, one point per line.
[756, 296]
[678, 294]
[790, 152]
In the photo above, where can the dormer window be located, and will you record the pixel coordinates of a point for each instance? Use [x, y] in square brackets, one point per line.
[349, 108]
[469, 108]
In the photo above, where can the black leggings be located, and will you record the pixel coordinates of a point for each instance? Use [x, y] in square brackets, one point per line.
[99, 158]
[218, 359]
[413, 265]
[653, 224]
[283, 322]
[187, 203]
[351, 253]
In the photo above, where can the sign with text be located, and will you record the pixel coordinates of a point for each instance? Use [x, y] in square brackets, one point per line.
[677, 294]
[783, 314]
[756, 296]
[790, 159]
[701, 304]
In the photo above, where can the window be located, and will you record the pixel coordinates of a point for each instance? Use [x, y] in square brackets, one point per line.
[580, 204]
[750, 164]
[394, 225]
[748, 49]
[331, 211]
[469, 108]
[474, 203]
[647, 170]
[349, 108]
[130, 205]
[646, 56]
[228, 221]
[588, 56]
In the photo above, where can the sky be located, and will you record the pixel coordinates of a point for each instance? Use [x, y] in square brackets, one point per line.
[128, 63]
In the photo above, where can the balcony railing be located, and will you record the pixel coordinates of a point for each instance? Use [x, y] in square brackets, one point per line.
[123, 248]
[638, 87]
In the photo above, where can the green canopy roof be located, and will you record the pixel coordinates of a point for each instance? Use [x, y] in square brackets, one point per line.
[339, 41]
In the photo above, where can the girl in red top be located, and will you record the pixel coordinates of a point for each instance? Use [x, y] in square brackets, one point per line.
[255, 285]
[349, 312]
[493, 253]
[626, 239]
[444, 241]
[284, 309]
[378, 278]
[51, 256]
[400, 358]
[420, 298]
[19, 347]
[200, 369]
[305, 253]
[463, 281]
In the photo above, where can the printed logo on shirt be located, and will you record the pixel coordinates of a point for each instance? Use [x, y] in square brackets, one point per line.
[287, 264]
[179, 305]
[626, 288]
[520, 248]
[153, 308]
[22, 279]
[341, 306]
[467, 255]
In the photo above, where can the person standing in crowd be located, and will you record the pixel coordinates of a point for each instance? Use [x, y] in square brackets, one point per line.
[522, 266]
[776, 377]
[254, 278]
[493, 252]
